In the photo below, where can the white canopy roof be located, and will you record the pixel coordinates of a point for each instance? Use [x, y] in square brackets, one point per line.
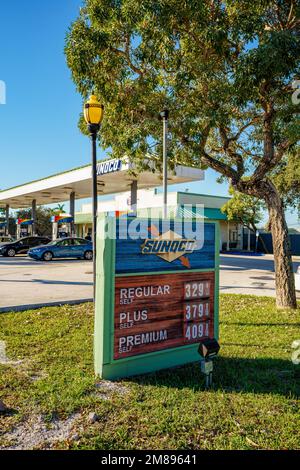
[114, 176]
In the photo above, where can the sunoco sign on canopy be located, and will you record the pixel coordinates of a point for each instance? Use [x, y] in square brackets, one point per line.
[109, 166]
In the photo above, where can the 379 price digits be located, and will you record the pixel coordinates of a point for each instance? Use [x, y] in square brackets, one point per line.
[196, 311]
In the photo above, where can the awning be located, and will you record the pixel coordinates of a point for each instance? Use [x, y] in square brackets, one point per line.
[204, 213]
[114, 176]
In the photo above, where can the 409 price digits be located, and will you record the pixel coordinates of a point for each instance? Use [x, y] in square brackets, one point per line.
[195, 331]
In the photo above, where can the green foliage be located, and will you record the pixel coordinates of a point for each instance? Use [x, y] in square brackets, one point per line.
[216, 65]
[224, 69]
[247, 210]
[287, 179]
[43, 219]
[59, 209]
[254, 402]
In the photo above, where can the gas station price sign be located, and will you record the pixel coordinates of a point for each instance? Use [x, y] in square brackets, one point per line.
[156, 298]
[163, 311]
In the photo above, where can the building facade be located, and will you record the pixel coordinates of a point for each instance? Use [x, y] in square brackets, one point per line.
[193, 204]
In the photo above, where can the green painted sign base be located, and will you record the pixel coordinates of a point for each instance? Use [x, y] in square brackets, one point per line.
[149, 362]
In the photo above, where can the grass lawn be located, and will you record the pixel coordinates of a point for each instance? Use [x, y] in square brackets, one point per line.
[48, 383]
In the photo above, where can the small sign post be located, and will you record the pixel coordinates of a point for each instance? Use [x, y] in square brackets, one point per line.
[156, 295]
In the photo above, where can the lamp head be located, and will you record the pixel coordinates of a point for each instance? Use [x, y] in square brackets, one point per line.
[164, 115]
[93, 111]
[209, 348]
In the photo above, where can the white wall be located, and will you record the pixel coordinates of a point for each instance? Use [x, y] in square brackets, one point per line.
[145, 198]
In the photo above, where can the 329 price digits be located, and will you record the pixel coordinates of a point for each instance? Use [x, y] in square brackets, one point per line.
[194, 290]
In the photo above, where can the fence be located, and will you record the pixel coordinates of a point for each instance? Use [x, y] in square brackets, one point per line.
[267, 245]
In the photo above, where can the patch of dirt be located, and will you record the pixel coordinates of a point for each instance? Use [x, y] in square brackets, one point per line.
[105, 388]
[22, 365]
[38, 376]
[35, 432]
[3, 357]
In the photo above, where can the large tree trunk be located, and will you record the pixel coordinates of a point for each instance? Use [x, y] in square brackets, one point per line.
[284, 275]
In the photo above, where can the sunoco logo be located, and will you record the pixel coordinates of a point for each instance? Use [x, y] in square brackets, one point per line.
[109, 166]
[169, 246]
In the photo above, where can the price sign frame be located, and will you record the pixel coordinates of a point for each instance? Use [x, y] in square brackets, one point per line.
[140, 314]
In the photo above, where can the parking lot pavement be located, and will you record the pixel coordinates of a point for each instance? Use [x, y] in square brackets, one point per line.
[24, 281]
[249, 274]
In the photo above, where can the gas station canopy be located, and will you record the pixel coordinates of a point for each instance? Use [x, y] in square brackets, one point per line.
[114, 176]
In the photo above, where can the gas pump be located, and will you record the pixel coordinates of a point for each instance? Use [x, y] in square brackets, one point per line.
[62, 226]
[3, 226]
[24, 227]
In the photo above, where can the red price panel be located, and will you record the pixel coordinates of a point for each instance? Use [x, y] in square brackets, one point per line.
[162, 311]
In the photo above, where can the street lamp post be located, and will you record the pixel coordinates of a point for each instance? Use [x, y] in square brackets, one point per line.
[93, 115]
[164, 116]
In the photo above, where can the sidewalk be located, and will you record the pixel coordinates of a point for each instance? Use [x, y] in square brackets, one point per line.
[249, 274]
[26, 284]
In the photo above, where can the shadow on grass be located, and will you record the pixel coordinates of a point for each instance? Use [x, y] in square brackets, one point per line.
[271, 376]
[8, 412]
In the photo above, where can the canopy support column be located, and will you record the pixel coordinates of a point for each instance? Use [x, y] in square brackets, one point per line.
[33, 216]
[7, 220]
[72, 213]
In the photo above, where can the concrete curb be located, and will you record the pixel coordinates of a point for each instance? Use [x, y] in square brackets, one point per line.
[22, 308]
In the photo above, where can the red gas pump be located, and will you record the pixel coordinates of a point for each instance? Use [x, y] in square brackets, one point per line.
[62, 226]
[24, 227]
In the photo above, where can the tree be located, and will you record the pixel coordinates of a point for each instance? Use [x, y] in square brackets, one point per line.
[224, 69]
[11, 222]
[287, 180]
[43, 219]
[246, 210]
[59, 209]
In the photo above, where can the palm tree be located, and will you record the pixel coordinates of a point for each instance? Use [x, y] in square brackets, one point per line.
[59, 209]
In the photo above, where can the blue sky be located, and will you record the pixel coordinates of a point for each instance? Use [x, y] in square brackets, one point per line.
[38, 123]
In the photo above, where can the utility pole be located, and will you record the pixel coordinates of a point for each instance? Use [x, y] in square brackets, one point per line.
[164, 116]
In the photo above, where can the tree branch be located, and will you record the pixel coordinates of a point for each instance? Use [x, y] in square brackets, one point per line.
[126, 55]
[219, 166]
[231, 152]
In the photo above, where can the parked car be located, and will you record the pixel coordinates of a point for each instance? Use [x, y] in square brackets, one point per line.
[65, 248]
[22, 245]
[6, 238]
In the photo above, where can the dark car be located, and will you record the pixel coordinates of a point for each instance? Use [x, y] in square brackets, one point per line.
[6, 238]
[63, 248]
[22, 245]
